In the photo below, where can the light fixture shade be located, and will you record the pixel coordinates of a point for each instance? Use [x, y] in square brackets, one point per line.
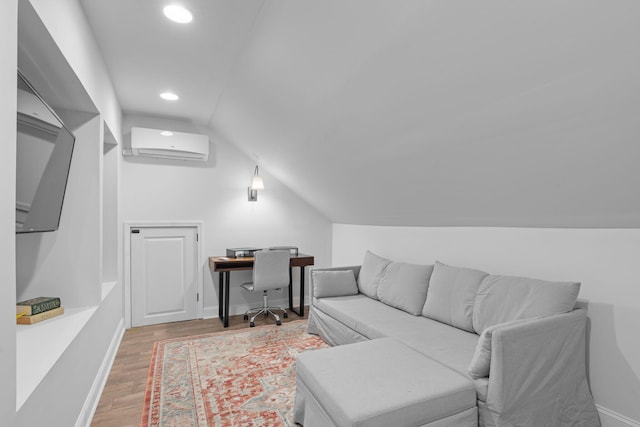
[256, 183]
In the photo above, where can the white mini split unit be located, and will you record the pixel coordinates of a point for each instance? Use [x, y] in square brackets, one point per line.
[168, 144]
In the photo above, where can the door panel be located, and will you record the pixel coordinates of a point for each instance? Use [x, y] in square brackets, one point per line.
[164, 265]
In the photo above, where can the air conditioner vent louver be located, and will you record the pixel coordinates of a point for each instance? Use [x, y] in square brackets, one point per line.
[168, 144]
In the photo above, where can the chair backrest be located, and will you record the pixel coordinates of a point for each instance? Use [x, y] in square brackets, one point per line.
[271, 269]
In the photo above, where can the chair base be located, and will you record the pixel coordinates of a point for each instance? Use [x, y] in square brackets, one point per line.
[266, 310]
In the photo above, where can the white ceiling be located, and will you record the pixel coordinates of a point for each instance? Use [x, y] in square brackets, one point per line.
[412, 112]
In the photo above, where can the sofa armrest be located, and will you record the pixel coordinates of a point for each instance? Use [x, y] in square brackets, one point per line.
[537, 367]
[315, 283]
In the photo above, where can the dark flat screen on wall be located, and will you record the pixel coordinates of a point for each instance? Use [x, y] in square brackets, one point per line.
[43, 157]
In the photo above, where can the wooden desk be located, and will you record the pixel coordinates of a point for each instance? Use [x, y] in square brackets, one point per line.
[224, 266]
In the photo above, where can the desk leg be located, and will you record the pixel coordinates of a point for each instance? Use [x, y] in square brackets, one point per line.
[226, 299]
[302, 291]
[300, 311]
[290, 289]
[220, 295]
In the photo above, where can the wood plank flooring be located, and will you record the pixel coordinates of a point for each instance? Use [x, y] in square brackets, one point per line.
[123, 396]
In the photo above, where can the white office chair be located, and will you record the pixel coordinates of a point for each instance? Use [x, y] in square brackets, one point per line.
[270, 271]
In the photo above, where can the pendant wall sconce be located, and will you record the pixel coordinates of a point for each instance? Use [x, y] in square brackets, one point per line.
[256, 184]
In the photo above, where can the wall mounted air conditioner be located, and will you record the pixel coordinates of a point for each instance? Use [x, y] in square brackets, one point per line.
[168, 144]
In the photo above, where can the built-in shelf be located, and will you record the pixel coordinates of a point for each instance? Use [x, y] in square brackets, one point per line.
[39, 346]
[57, 356]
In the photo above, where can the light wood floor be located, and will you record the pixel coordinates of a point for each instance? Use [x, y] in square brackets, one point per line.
[123, 396]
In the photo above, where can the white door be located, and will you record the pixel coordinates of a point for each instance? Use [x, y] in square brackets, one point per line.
[164, 275]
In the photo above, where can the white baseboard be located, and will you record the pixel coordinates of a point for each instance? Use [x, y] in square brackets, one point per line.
[609, 418]
[93, 398]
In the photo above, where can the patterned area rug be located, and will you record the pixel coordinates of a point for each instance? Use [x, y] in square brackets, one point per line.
[232, 378]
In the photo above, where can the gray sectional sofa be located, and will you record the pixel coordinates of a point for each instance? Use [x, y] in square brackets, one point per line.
[519, 341]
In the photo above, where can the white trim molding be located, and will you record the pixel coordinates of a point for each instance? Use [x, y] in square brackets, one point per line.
[609, 418]
[93, 398]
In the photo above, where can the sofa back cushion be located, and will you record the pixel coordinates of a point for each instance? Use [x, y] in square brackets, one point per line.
[451, 296]
[371, 273]
[505, 298]
[404, 286]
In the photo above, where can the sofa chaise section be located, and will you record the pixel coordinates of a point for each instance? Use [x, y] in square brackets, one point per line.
[397, 386]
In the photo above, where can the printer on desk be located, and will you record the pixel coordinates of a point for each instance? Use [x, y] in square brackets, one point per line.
[241, 252]
[292, 249]
[250, 252]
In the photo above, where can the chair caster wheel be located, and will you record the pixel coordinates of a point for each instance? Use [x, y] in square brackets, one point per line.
[246, 317]
[278, 323]
[252, 324]
[285, 315]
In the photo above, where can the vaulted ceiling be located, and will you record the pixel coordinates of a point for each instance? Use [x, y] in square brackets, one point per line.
[405, 112]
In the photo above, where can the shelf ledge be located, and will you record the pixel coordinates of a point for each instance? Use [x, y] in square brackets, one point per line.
[39, 346]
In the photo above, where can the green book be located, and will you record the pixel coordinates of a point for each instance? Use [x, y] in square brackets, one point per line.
[37, 305]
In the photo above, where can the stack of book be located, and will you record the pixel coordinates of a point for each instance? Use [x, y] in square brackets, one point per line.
[38, 309]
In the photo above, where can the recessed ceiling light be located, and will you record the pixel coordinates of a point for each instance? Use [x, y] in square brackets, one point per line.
[166, 133]
[178, 14]
[169, 96]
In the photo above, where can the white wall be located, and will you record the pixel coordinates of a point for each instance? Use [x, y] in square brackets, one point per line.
[215, 192]
[8, 53]
[605, 261]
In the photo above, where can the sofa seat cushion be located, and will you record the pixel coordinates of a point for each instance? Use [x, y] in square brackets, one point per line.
[450, 346]
[502, 299]
[381, 383]
[362, 314]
